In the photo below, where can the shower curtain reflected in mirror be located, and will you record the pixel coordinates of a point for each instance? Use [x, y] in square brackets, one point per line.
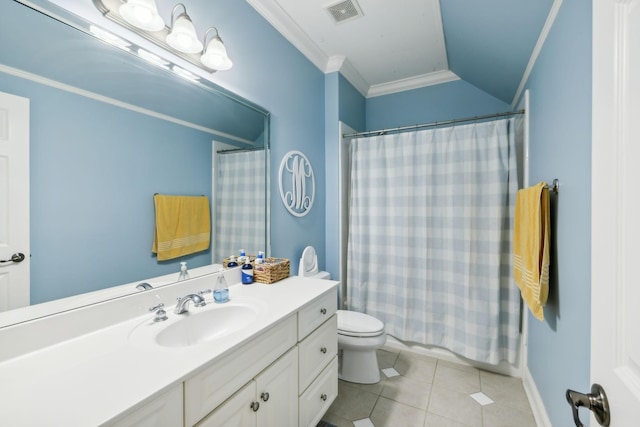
[240, 203]
[429, 247]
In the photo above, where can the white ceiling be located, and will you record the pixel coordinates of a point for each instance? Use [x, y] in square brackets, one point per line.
[402, 45]
[393, 46]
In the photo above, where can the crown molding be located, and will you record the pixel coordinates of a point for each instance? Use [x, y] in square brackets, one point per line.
[282, 22]
[342, 65]
[553, 13]
[409, 83]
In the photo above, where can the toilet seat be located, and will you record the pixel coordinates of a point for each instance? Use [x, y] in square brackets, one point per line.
[355, 324]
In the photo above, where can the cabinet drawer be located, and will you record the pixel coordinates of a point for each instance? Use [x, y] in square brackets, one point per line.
[319, 396]
[316, 312]
[316, 351]
[211, 386]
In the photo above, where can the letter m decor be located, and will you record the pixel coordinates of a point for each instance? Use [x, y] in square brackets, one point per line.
[297, 183]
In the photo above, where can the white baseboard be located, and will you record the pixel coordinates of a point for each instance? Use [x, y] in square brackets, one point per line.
[535, 400]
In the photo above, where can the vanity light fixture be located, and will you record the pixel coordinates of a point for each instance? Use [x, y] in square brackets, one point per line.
[142, 14]
[215, 54]
[183, 35]
[181, 39]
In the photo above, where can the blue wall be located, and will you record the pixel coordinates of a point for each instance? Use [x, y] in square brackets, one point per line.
[269, 71]
[74, 208]
[560, 147]
[446, 101]
[342, 103]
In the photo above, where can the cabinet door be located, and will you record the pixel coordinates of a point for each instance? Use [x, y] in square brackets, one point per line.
[278, 392]
[237, 411]
[165, 410]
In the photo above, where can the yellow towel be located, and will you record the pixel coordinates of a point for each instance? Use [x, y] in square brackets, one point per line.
[183, 225]
[531, 246]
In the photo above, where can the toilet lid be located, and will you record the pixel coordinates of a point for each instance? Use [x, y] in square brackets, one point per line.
[357, 324]
[308, 262]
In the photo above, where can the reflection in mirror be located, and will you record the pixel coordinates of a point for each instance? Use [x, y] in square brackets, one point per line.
[240, 201]
[107, 131]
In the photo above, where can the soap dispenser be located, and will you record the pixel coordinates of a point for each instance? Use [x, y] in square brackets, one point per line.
[232, 262]
[247, 272]
[221, 289]
[184, 274]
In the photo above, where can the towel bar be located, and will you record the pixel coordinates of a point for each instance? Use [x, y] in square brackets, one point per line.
[555, 187]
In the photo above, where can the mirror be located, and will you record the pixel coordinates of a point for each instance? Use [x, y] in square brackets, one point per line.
[108, 130]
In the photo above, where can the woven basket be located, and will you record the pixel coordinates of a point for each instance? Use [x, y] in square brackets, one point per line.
[272, 270]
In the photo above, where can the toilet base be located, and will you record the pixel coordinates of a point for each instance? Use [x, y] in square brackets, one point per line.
[359, 367]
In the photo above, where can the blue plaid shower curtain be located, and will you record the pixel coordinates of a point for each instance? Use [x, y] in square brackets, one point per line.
[429, 248]
[240, 204]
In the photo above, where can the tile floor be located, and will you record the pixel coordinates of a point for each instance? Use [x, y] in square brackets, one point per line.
[428, 392]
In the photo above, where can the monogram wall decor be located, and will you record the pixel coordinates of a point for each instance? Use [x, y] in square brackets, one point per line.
[297, 183]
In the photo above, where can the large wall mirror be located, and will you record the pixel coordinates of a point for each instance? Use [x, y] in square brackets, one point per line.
[108, 130]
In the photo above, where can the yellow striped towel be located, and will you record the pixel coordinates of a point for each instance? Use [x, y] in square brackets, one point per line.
[531, 240]
[183, 225]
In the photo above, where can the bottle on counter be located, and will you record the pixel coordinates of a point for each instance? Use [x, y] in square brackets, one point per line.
[247, 272]
[242, 256]
[232, 262]
[221, 290]
[260, 261]
[184, 274]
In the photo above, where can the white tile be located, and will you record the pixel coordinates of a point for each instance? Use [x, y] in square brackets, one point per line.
[366, 422]
[390, 372]
[482, 398]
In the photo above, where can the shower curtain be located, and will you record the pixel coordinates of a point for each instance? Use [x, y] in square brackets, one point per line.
[429, 246]
[240, 203]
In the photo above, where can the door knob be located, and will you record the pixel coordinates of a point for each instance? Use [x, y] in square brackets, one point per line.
[19, 257]
[596, 401]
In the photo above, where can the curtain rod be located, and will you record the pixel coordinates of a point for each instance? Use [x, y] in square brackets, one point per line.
[434, 124]
[238, 150]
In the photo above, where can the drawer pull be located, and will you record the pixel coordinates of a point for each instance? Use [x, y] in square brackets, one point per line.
[264, 396]
[255, 406]
[323, 310]
[323, 350]
[323, 396]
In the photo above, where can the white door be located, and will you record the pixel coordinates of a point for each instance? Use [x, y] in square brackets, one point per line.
[14, 201]
[615, 279]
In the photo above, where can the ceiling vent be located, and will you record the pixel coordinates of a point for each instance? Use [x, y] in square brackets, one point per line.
[345, 11]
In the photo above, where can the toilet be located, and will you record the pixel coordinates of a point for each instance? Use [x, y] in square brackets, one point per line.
[359, 334]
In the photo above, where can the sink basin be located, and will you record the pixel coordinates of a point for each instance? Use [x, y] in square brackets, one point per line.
[199, 325]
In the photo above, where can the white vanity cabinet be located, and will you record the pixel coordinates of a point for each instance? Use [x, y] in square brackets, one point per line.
[282, 363]
[318, 361]
[271, 399]
[267, 390]
[207, 389]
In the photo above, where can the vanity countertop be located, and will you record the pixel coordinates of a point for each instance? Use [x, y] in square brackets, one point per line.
[91, 379]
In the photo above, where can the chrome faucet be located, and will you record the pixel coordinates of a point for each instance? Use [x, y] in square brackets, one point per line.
[143, 286]
[183, 303]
